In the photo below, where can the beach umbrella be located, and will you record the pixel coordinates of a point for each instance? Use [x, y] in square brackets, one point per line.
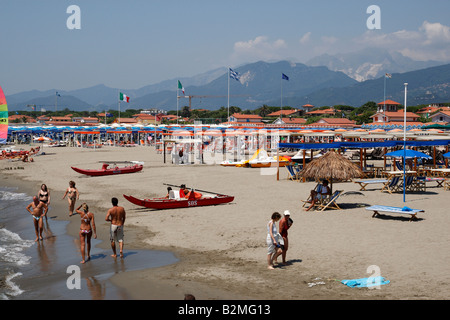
[331, 166]
[409, 154]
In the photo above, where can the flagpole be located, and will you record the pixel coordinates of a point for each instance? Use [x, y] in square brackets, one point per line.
[177, 103]
[281, 109]
[119, 106]
[384, 102]
[404, 144]
[228, 103]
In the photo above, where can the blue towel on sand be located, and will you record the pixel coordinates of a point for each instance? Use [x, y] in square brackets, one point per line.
[365, 282]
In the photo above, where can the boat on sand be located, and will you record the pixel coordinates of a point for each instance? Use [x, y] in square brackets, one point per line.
[193, 199]
[106, 170]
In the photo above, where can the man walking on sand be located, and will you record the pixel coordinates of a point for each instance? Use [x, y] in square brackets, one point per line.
[116, 215]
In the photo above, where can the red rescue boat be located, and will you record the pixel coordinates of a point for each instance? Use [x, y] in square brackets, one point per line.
[194, 199]
[106, 170]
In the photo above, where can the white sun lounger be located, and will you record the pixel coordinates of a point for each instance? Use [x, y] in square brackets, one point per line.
[365, 183]
[377, 209]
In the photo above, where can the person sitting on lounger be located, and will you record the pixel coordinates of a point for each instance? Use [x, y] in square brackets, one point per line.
[322, 192]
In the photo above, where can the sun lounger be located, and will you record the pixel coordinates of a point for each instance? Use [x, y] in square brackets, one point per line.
[391, 185]
[405, 210]
[317, 188]
[292, 175]
[331, 203]
[365, 183]
[447, 184]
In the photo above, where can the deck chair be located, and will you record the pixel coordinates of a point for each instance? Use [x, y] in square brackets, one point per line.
[391, 185]
[399, 165]
[317, 188]
[419, 184]
[409, 183]
[447, 184]
[377, 209]
[331, 202]
[292, 175]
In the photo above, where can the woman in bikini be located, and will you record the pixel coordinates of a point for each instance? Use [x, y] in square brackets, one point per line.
[44, 195]
[87, 230]
[72, 196]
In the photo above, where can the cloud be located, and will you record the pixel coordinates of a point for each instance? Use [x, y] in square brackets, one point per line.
[430, 42]
[305, 39]
[259, 48]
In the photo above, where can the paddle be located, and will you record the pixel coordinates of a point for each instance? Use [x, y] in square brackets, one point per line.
[173, 185]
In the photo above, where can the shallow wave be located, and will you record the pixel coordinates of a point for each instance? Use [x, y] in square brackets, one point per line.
[6, 195]
[12, 247]
[11, 289]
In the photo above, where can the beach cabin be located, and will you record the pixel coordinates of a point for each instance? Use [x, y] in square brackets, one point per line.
[245, 118]
[397, 116]
[335, 123]
[285, 113]
[441, 117]
[388, 105]
[322, 112]
[290, 120]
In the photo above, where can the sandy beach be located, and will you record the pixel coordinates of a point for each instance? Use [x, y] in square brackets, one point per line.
[222, 250]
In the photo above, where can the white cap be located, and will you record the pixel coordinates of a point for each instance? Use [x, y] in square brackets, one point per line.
[287, 213]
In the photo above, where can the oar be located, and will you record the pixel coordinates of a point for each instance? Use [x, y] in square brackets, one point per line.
[173, 185]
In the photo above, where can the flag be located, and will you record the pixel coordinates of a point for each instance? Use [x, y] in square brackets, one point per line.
[123, 97]
[180, 86]
[234, 75]
[388, 75]
[285, 77]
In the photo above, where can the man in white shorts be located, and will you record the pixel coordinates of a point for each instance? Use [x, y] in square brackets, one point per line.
[116, 215]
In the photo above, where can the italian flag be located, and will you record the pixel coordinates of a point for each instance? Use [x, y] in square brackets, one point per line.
[123, 97]
[180, 86]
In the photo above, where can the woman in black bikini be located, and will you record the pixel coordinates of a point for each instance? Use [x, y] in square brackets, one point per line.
[87, 229]
[72, 196]
[44, 195]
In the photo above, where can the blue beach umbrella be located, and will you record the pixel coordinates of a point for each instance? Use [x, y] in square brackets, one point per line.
[409, 154]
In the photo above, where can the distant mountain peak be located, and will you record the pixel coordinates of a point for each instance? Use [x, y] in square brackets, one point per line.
[370, 63]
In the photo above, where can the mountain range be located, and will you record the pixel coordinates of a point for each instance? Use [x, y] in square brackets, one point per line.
[261, 83]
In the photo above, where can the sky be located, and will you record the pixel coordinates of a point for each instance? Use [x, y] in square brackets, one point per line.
[131, 44]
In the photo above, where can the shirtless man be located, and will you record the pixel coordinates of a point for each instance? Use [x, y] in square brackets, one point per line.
[38, 210]
[116, 215]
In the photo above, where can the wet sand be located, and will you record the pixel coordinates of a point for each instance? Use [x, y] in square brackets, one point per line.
[221, 249]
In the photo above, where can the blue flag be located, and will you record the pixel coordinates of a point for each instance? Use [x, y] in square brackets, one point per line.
[234, 75]
[285, 77]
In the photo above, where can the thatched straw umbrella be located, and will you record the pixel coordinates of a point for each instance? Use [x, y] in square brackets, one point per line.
[331, 166]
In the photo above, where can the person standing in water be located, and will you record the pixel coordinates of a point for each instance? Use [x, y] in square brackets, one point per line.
[87, 230]
[116, 215]
[38, 210]
[72, 196]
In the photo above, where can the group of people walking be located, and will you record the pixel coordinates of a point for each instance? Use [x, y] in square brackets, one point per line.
[116, 215]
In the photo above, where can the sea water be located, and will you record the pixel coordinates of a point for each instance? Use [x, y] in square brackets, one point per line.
[13, 247]
[39, 270]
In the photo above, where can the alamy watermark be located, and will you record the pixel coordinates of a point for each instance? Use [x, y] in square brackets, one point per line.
[74, 20]
[374, 21]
